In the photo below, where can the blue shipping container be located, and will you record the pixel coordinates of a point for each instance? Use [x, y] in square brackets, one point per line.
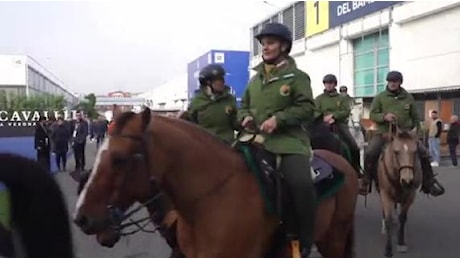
[235, 63]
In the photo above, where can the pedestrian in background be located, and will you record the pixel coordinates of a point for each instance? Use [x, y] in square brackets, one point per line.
[453, 136]
[42, 143]
[79, 136]
[434, 138]
[61, 138]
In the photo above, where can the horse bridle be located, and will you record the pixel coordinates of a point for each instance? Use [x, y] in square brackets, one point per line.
[393, 125]
[117, 215]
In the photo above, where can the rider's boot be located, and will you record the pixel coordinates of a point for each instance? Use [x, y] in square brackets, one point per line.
[429, 183]
[356, 156]
[163, 216]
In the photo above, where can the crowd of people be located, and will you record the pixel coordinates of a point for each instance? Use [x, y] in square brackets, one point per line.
[57, 135]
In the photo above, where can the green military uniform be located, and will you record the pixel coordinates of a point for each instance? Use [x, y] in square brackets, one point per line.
[401, 104]
[339, 106]
[335, 104]
[351, 100]
[286, 94]
[215, 113]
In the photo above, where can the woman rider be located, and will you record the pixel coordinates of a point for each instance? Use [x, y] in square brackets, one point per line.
[213, 107]
[279, 100]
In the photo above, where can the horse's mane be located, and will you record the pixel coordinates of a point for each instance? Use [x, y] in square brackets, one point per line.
[406, 135]
[38, 209]
[184, 126]
[196, 131]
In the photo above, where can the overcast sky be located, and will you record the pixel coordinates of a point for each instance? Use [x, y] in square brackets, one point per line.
[102, 46]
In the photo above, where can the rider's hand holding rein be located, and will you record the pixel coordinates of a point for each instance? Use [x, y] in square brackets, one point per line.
[246, 121]
[389, 117]
[269, 125]
[329, 119]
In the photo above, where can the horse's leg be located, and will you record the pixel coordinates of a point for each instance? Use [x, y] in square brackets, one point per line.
[349, 250]
[383, 229]
[387, 204]
[404, 208]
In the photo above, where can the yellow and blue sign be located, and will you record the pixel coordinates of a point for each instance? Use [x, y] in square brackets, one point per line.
[324, 15]
[317, 17]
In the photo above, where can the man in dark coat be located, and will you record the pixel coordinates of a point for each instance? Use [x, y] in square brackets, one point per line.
[80, 133]
[61, 138]
[42, 143]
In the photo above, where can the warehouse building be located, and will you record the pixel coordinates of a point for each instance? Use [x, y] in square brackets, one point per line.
[360, 41]
[22, 75]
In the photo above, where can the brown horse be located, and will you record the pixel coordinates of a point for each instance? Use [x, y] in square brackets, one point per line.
[399, 176]
[220, 208]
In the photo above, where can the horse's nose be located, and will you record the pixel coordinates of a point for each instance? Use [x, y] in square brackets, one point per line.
[83, 222]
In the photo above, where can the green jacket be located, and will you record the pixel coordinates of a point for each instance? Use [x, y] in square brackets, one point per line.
[286, 94]
[400, 104]
[335, 104]
[218, 116]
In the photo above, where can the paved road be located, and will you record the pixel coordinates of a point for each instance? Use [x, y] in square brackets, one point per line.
[433, 225]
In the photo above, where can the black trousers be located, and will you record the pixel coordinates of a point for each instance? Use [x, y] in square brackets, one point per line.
[61, 156]
[79, 155]
[345, 135]
[297, 172]
[44, 158]
[453, 152]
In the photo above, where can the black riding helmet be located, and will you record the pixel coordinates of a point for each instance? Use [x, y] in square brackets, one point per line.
[394, 76]
[343, 88]
[330, 78]
[210, 73]
[278, 30]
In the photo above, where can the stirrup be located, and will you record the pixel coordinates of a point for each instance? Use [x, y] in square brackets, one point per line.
[363, 188]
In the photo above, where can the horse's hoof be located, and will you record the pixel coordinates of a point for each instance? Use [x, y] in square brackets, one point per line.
[402, 248]
[383, 231]
[388, 254]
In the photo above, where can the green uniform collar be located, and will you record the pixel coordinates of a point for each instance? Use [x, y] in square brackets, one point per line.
[289, 65]
[333, 93]
[201, 93]
[402, 93]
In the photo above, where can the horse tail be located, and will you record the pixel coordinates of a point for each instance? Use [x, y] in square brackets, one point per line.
[38, 210]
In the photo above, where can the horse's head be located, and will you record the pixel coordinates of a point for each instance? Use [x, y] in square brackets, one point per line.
[403, 154]
[117, 180]
[356, 115]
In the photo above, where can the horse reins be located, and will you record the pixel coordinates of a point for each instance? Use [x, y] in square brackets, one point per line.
[392, 130]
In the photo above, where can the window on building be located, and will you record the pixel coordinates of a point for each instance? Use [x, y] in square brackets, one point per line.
[371, 63]
[299, 20]
[456, 107]
[275, 18]
[288, 18]
[420, 107]
[255, 42]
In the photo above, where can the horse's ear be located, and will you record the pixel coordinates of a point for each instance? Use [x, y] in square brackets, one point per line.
[146, 116]
[414, 131]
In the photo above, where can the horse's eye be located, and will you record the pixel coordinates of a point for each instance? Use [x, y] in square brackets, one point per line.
[119, 161]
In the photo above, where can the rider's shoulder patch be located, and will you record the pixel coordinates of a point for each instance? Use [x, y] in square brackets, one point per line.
[285, 90]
